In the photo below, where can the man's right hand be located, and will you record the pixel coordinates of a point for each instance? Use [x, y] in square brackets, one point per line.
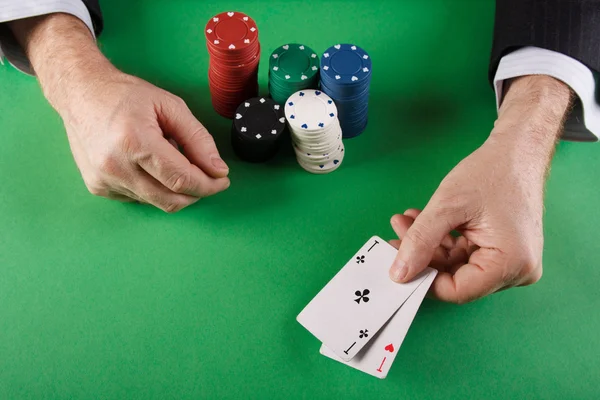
[122, 130]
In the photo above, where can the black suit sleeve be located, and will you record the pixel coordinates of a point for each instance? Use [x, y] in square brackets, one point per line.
[570, 27]
[93, 7]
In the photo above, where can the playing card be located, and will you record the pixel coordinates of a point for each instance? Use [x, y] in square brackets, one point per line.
[377, 357]
[358, 301]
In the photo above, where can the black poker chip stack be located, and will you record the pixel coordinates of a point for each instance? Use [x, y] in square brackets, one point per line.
[257, 129]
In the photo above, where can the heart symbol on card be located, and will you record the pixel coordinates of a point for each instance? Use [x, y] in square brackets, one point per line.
[390, 348]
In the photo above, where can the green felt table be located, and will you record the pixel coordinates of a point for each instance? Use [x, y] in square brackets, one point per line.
[105, 300]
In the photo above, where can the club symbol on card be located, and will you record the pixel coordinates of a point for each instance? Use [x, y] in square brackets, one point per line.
[363, 333]
[362, 296]
[360, 259]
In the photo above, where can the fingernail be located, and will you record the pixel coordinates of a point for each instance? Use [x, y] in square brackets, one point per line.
[219, 163]
[398, 271]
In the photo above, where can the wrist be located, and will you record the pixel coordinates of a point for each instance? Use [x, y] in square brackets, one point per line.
[64, 55]
[534, 109]
[531, 118]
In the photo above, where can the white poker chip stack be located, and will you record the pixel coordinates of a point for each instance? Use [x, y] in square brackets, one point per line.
[315, 130]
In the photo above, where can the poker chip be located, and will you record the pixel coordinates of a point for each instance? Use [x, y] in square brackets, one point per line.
[257, 129]
[292, 67]
[346, 78]
[316, 134]
[234, 50]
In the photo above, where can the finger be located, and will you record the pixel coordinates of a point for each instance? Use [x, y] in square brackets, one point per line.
[173, 143]
[448, 241]
[128, 193]
[153, 192]
[412, 213]
[532, 278]
[198, 145]
[168, 166]
[443, 259]
[421, 241]
[120, 197]
[401, 224]
[483, 275]
[395, 243]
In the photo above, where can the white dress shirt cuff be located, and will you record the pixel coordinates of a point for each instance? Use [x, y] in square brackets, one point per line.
[583, 124]
[11, 10]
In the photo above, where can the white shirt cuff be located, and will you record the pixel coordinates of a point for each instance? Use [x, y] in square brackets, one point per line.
[583, 124]
[11, 10]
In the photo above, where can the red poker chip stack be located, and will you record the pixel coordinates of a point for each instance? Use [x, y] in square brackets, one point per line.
[232, 42]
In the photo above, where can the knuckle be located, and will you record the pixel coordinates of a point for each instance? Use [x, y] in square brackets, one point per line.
[536, 276]
[108, 165]
[96, 187]
[172, 207]
[531, 262]
[533, 276]
[121, 147]
[179, 182]
[201, 134]
[128, 142]
[420, 236]
[178, 101]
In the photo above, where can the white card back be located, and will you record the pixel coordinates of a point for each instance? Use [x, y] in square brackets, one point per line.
[358, 301]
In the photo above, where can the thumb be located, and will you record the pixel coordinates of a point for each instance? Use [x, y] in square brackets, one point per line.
[176, 120]
[420, 242]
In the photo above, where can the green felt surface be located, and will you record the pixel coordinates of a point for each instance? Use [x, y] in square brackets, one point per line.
[110, 301]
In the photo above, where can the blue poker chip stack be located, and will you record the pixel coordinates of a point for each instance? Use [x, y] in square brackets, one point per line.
[346, 78]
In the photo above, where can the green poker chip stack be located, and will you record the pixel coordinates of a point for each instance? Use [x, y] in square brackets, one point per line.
[292, 67]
